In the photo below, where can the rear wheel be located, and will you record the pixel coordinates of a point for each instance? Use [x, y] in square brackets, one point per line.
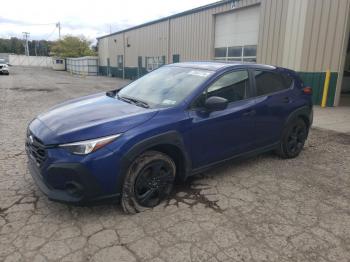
[149, 180]
[293, 139]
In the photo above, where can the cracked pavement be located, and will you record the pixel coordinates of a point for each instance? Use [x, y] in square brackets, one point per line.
[259, 209]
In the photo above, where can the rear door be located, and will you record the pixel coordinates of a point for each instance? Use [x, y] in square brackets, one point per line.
[274, 102]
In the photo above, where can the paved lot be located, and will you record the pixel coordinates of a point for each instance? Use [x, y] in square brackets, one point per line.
[261, 209]
[333, 118]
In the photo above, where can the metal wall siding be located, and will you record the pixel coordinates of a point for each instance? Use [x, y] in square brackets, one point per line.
[324, 35]
[272, 31]
[191, 36]
[343, 16]
[333, 17]
[294, 34]
[271, 46]
[277, 29]
[260, 47]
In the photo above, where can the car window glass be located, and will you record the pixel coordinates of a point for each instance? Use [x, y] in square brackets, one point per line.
[288, 81]
[166, 86]
[269, 82]
[232, 86]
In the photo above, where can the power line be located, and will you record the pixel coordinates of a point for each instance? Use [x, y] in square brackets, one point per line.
[49, 35]
[33, 24]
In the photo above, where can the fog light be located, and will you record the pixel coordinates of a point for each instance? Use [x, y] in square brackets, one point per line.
[74, 189]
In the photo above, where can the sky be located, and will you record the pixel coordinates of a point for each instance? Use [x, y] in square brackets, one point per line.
[83, 17]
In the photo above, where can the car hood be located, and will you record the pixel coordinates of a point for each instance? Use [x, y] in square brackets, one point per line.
[87, 118]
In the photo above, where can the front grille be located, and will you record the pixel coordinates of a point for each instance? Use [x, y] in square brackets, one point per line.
[36, 149]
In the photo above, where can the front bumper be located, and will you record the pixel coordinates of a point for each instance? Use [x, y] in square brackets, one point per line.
[66, 177]
[80, 187]
[68, 182]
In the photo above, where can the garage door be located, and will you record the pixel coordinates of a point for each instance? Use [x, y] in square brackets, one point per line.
[236, 34]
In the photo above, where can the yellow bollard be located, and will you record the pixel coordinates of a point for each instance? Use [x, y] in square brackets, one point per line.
[325, 88]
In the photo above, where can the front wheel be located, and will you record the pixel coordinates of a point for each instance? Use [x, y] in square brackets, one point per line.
[149, 180]
[293, 139]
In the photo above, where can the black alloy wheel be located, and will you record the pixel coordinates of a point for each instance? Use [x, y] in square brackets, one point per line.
[293, 139]
[149, 180]
[296, 138]
[153, 182]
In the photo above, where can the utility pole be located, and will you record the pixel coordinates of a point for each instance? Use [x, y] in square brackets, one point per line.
[25, 36]
[59, 30]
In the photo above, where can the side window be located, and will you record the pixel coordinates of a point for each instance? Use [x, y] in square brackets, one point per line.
[233, 86]
[269, 82]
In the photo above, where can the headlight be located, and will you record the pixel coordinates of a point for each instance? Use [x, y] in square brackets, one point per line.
[88, 146]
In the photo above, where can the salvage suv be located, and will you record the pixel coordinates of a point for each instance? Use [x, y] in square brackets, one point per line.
[131, 144]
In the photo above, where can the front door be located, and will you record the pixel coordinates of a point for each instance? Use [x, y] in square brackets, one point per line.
[221, 134]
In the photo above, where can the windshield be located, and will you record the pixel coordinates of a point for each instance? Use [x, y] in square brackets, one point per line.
[166, 86]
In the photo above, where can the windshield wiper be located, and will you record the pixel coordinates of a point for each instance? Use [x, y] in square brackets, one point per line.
[133, 101]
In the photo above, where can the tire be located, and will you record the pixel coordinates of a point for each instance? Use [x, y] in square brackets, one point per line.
[149, 180]
[293, 139]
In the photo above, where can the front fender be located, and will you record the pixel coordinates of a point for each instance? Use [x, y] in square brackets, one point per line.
[172, 138]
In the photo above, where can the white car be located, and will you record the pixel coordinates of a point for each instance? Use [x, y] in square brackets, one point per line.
[4, 68]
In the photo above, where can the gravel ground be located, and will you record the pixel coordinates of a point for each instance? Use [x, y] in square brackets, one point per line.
[260, 209]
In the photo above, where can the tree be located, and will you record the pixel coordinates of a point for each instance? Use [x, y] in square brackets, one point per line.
[15, 45]
[72, 46]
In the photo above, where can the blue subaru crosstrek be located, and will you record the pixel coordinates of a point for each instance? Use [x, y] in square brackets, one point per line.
[131, 144]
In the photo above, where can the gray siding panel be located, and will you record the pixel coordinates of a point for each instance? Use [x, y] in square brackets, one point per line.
[305, 35]
[191, 36]
[324, 35]
[273, 18]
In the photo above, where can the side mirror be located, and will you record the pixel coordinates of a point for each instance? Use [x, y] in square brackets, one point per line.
[216, 103]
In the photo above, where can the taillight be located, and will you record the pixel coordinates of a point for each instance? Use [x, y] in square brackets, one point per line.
[307, 90]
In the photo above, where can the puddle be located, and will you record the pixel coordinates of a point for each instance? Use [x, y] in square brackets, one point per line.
[189, 193]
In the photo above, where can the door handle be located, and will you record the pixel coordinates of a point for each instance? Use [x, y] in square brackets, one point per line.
[251, 112]
[286, 99]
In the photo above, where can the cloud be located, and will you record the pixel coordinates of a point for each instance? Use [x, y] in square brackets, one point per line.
[80, 17]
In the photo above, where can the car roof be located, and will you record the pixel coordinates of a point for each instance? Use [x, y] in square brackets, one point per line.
[215, 65]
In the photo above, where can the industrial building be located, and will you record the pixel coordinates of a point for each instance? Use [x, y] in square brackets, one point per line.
[309, 36]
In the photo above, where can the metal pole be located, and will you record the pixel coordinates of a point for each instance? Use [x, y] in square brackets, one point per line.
[26, 35]
[325, 89]
[59, 30]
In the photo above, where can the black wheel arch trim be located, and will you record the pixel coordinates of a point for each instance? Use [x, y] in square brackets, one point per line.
[305, 112]
[171, 138]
